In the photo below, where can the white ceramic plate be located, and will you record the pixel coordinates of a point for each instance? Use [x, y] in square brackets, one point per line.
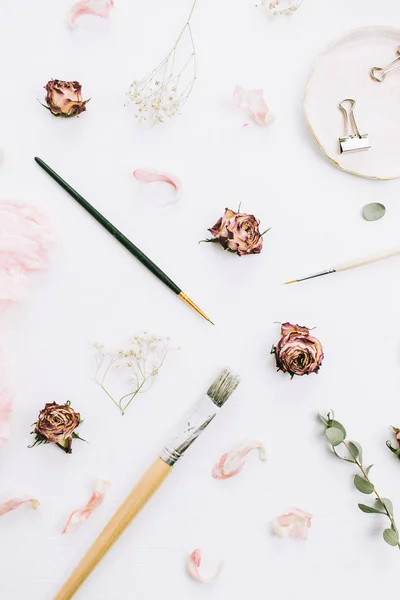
[343, 71]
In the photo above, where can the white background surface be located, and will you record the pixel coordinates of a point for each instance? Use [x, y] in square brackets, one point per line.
[95, 291]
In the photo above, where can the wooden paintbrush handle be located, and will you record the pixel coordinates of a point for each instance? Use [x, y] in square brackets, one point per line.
[141, 493]
[366, 261]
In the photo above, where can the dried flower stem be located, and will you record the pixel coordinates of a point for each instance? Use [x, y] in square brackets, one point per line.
[336, 434]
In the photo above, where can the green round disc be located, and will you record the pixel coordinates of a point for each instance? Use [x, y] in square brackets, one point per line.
[373, 211]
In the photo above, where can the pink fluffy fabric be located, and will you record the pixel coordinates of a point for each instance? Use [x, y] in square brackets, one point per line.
[24, 242]
[6, 395]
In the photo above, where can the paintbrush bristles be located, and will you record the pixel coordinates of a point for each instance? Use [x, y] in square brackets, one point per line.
[223, 387]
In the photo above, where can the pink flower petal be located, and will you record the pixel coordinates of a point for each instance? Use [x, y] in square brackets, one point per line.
[82, 514]
[193, 567]
[232, 462]
[294, 524]
[252, 101]
[151, 175]
[10, 505]
[98, 8]
[24, 242]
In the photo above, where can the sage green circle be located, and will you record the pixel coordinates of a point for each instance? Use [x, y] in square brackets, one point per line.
[373, 211]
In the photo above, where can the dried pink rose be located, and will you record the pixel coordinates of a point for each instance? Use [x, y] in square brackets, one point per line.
[238, 233]
[232, 462]
[98, 8]
[64, 98]
[294, 524]
[82, 514]
[253, 103]
[24, 243]
[10, 505]
[297, 352]
[193, 566]
[152, 175]
[56, 424]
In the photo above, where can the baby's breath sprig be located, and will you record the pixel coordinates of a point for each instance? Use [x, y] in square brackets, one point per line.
[164, 91]
[275, 7]
[143, 359]
[336, 434]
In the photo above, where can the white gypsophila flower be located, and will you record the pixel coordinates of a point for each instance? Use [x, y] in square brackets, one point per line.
[140, 362]
[162, 93]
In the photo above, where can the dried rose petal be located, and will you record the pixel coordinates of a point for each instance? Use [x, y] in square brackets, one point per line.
[294, 524]
[98, 8]
[152, 175]
[82, 514]
[252, 102]
[10, 505]
[232, 462]
[193, 565]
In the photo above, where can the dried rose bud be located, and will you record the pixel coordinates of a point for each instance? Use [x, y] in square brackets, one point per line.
[56, 424]
[297, 352]
[238, 232]
[64, 98]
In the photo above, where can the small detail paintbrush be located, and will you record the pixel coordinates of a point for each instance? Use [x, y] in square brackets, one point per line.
[122, 238]
[188, 430]
[352, 265]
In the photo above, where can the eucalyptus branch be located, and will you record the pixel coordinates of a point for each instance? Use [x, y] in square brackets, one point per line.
[336, 435]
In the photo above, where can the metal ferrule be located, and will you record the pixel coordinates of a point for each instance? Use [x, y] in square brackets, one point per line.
[189, 429]
[327, 272]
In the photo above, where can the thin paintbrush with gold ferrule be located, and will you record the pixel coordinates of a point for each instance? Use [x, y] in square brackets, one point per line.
[145, 260]
[188, 430]
[351, 265]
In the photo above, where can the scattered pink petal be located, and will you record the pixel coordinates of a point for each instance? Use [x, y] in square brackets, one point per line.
[6, 395]
[24, 242]
[193, 566]
[294, 524]
[98, 8]
[10, 505]
[253, 103]
[151, 175]
[232, 462]
[82, 514]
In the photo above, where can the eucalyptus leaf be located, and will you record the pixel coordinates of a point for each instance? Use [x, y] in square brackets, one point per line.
[335, 436]
[350, 460]
[391, 537]
[370, 509]
[356, 450]
[373, 211]
[322, 419]
[385, 503]
[337, 425]
[367, 470]
[363, 486]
